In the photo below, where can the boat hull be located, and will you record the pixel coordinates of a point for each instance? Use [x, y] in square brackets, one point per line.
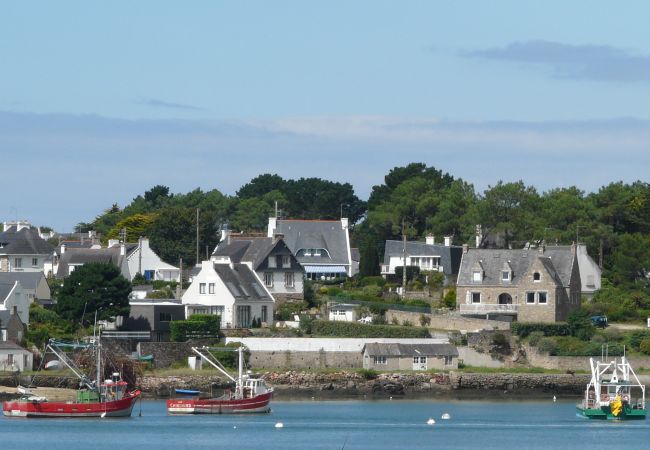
[26, 408]
[605, 413]
[258, 404]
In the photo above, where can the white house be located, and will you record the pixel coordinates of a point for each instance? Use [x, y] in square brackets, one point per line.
[146, 262]
[34, 285]
[12, 295]
[14, 358]
[342, 312]
[22, 249]
[232, 291]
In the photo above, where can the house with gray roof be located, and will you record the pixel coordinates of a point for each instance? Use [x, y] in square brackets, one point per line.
[14, 358]
[13, 298]
[398, 356]
[270, 258]
[528, 285]
[232, 291]
[34, 285]
[11, 327]
[22, 249]
[427, 255]
[322, 247]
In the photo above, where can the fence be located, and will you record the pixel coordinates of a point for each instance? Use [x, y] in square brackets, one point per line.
[383, 305]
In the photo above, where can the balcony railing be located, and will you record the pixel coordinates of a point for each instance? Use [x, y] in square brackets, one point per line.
[487, 308]
[385, 268]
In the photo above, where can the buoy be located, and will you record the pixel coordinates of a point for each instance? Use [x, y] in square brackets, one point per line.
[431, 421]
[445, 416]
[234, 427]
[390, 398]
[279, 425]
[554, 399]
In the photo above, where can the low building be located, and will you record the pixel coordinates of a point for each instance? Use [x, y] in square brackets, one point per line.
[14, 358]
[34, 285]
[11, 327]
[395, 356]
[13, 298]
[342, 312]
[22, 249]
[154, 316]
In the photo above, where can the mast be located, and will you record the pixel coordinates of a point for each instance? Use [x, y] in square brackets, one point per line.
[240, 378]
[99, 364]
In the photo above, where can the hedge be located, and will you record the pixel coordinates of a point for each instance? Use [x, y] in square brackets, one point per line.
[197, 326]
[325, 328]
[523, 329]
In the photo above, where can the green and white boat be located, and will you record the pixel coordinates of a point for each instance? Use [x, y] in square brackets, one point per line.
[614, 392]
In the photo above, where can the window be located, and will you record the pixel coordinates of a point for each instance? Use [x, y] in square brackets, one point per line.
[286, 262]
[505, 275]
[243, 316]
[379, 360]
[419, 360]
[288, 279]
[34, 262]
[211, 288]
[530, 298]
[201, 288]
[541, 298]
[265, 313]
[476, 297]
[537, 277]
[149, 275]
[268, 279]
[449, 360]
[165, 317]
[272, 263]
[18, 262]
[10, 358]
[477, 275]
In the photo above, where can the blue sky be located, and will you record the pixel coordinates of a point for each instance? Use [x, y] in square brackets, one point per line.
[99, 102]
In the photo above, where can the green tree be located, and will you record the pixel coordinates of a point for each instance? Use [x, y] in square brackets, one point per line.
[136, 226]
[261, 185]
[94, 287]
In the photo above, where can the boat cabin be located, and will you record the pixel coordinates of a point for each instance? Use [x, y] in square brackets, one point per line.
[113, 389]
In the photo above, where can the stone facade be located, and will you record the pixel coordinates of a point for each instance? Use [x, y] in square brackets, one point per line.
[451, 321]
[166, 353]
[305, 360]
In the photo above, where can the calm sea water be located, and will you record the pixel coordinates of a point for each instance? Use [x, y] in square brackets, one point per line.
[352, 425]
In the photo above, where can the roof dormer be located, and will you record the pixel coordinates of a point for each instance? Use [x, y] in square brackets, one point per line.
[477, 272]
[506, 272]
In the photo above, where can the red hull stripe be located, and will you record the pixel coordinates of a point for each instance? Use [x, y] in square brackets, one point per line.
[118, 408]
[259, 403]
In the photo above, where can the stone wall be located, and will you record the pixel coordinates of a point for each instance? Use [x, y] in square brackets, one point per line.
[520, 383]
[446, 321]
[166, 353]
[573, 363]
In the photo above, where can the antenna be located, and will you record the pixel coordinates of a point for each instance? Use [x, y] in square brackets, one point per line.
[197, 235]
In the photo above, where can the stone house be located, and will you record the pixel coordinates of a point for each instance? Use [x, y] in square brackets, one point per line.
[394, 356]
[528, 285]
[14, 358]
[269, 258]
[11, 327]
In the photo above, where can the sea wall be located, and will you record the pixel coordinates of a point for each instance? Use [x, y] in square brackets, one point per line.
[528, 383]
[305, 360]
[573, 363]
[446, 321]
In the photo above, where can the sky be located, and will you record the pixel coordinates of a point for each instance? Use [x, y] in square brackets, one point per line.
[100, 101]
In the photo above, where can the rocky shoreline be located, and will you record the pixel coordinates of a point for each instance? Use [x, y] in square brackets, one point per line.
[350, 384]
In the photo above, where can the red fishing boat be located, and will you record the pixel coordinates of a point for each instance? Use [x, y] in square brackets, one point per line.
[249, 395]
[110, 398]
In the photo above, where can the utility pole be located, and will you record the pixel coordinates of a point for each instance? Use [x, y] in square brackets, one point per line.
[197, 235]
[404, 260]
[181, 273]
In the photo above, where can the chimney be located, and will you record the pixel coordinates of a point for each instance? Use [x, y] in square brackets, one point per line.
[465, 248]
[225, 235]
[122, 249]
[431, 239]
[62, 249]
[447, 241]
[479, 235]
[344, 223]
[273, 224]
[14, 310]
[6, 225]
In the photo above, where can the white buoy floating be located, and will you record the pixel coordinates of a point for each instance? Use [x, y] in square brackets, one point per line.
[431, 421]
[445, 416]
[234, 427]
[279, 425]
[554, 399]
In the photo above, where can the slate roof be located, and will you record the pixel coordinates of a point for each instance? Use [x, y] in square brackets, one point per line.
[28, 280]
[409, 350]
[450, 256]
[8, 345]
[23, 242]
[253, 250]
[80, 256]
[558, 261]
[241, 282]
[5, 289]
[327, 234]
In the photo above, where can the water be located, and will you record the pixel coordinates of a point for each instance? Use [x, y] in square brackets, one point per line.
[351, 425]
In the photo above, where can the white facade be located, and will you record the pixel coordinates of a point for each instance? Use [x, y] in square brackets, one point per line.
[18, 298]
[590, 273]
[208, 294]
[343, 312]
[143, 260]
[15, 358]
[297, 344]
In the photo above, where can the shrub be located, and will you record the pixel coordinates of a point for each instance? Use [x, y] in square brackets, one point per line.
[305, 323]
[373, 281]
[357, 330]
[449, 300]
[644, 347]
[372, 291]
[534, 338]
[635, 338]
[368, 374]
[197, 326]
[580, 325]
[425, 320]
[523, 329]
[500, 340]
[547, 345]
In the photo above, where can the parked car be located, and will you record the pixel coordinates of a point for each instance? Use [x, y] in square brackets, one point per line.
[599, 321]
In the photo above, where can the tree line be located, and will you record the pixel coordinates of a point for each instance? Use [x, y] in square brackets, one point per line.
[415, 200]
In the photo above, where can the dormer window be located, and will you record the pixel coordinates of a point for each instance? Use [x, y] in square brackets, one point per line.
[505, 275]
[537, 277]
[506, 272]
[477, 276]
